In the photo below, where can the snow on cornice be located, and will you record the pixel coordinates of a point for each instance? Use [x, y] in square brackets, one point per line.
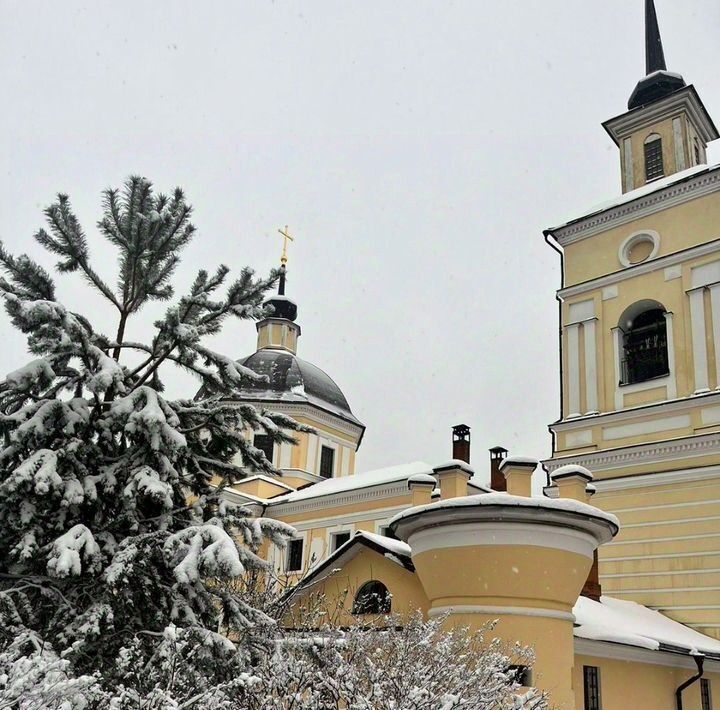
[632, 204]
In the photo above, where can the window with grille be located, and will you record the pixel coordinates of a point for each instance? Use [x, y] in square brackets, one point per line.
[645, 348]
[294, 556]
[339, 539]
[654, 159]
[327, 462]
[705, 694]
[373, 598]
[591, 682]
[696, 147]
[266, 444]
[522, 675]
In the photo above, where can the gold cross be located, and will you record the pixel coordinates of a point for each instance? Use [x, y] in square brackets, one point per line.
[286, 236]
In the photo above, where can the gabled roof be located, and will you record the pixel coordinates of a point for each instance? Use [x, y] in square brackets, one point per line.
[395, 550]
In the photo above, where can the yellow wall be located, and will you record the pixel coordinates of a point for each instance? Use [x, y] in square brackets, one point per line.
[337, 592]
[667, 554]
[681, 227]
[625, 684]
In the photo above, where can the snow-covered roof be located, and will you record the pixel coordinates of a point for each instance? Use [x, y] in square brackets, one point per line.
[455, 463]
[394, 550]
[397, 547]
[506, 499]
[620, 621]
[332, 486]
[267, 479]
[633, 195]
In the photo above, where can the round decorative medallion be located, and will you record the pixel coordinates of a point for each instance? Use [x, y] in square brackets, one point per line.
[639, 247]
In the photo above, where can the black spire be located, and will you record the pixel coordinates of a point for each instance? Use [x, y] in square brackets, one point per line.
[654, 54]
[659, 82]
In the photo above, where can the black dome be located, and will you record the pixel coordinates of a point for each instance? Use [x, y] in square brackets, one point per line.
[655, 86]
[283, 307]
[294, 380]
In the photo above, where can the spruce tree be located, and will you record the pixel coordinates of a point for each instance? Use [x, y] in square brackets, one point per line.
[112, 520]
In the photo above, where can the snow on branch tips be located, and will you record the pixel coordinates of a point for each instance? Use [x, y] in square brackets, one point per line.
[203, 550]
[145, 414]
[113, 523]
[70, 550]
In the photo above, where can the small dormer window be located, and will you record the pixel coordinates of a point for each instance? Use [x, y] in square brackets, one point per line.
[654, 167]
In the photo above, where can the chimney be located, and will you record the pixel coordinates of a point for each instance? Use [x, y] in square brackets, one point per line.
[421, 487]
[461, 443]
[517, 472]
[497, 480]
[575, 483]
[452, 479]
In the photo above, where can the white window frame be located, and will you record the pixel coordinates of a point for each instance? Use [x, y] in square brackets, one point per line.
[285, 557]
[332, 532]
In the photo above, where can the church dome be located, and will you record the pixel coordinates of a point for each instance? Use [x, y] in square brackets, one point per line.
[293, 380]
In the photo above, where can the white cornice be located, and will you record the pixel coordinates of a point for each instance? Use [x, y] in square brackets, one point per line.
[686, 100]
[641, 454]
[639, 269]
[624, 652]
[708, 399]
[375, 514]
[663, 478]
[677, 193]
[335, 500]
[311, 412]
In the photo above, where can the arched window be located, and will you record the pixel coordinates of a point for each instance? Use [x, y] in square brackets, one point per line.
[644, 346]
[372, 598]
[654, 167]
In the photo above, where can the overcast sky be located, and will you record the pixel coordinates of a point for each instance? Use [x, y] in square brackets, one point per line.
[416, 149]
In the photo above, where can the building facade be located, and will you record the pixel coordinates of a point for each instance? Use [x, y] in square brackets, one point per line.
[640, 324]
[620, 598]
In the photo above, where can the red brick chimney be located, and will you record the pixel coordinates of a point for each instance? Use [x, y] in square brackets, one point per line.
[461, 442]
[497, 480]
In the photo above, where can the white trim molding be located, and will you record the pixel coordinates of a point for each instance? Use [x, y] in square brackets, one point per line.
[641, 454]
[573, 365]
[715, 314]
[645, 235]
[625, 652]
[647, 203]
[664, 478]
[647, 426]
[699, 341]
[646, 267]
[591, 378]
[501, 611]
[482, 534]
[391, 489]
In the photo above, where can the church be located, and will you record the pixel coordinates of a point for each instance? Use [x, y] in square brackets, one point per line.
[613, 573]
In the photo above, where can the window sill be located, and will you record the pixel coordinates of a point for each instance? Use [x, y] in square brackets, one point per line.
[654, 380]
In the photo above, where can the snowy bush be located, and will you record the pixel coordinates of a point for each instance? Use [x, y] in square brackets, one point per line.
[112, 525]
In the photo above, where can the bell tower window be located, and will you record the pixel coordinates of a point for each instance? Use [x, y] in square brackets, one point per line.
[645, 347]
[654, 168]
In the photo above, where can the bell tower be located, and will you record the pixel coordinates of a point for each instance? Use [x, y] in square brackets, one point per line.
[640, 349]
[666, 128]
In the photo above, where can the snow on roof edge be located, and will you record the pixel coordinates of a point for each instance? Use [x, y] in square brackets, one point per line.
[621, 621]
[343, 484]
[636, 194]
